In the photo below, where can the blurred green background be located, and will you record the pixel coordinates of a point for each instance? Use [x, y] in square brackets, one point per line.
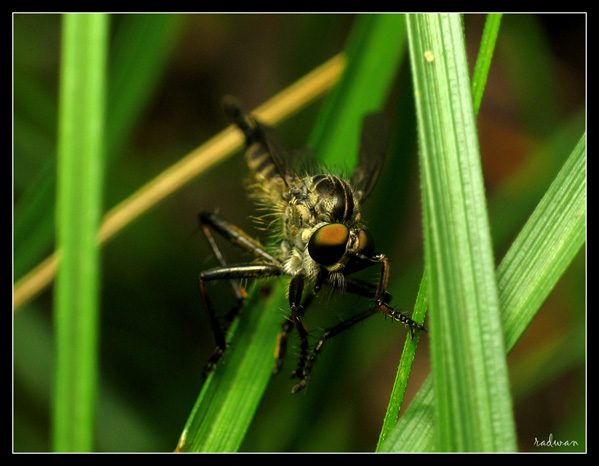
[167, 75]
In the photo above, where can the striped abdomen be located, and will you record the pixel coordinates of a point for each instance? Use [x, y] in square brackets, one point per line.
[266, 171]
[265, 175]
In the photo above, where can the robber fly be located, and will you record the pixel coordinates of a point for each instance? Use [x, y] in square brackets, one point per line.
[322, 240]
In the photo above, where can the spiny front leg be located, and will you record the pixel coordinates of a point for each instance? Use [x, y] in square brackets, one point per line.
[399, 317]
[382, 304]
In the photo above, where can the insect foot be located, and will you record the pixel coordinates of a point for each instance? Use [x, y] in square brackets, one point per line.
[399, 317]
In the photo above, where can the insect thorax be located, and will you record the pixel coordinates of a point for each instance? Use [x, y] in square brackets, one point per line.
[300, 206]
[310, 203]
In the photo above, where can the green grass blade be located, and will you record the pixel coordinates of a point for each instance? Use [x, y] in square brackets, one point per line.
[541, 253]
[230, 396]
[481, 70]
[513, 201]
[485, 56]
[139, 51]
[232, 392]
[80, 170]
[544, 248]
[473, 404]
[405, 365]
[374, 51]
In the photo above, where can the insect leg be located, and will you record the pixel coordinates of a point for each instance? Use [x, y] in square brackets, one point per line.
[229, 272]
[362, 288]
[296, 289]
[239, 238]
[235, 235]
[380, 295]
[381, 302]
[286, 327]
[329, 333]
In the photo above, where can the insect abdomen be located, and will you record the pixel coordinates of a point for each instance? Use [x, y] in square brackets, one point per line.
[263, 168]
[261, 164]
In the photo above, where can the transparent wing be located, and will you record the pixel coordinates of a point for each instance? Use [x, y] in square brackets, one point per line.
[289, 162]
[373, 146]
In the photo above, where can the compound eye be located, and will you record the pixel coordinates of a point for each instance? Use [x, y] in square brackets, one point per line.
[366, 243]
[327, 244]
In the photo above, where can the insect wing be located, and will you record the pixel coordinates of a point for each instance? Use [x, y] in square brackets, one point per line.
[288, 162]
[257, 132]
[373, 146]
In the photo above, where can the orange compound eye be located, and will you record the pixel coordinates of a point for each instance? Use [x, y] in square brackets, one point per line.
[366, 243]
[327, 244]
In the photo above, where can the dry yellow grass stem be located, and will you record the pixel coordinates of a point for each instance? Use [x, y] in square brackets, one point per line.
[208, 154]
